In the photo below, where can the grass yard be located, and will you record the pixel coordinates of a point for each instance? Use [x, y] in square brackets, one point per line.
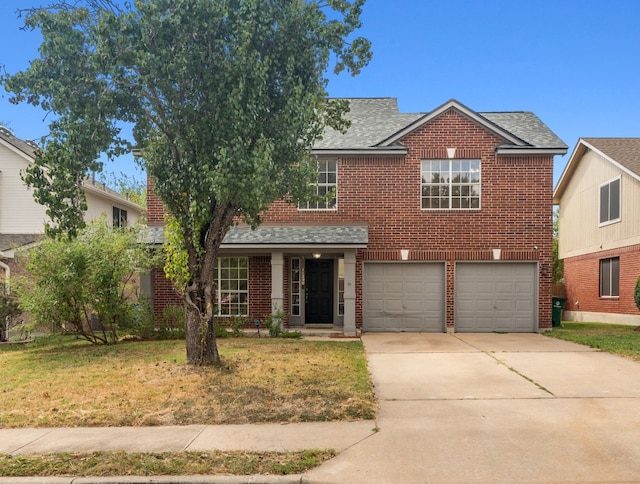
[103, 464]
[614, 338]
[64, 382]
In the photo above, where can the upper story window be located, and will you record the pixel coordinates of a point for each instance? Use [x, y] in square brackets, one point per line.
[610, 277]
[327, 187]
[119, 217]
[451, 184]
[610, 202]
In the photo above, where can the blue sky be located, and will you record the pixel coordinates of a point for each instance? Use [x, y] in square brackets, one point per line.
[574, 63]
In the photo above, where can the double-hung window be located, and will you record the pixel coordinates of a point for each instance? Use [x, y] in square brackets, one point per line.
[610, 202]
[326, 187]
[451, 184]
[233, 286]
[119, 217]
[610, 277]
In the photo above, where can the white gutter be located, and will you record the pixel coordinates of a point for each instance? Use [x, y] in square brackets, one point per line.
[359, 152]
[518, 150]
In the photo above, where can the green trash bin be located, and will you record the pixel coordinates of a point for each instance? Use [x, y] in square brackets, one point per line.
[556, 314]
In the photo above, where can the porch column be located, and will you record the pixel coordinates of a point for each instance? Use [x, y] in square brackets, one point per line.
[349, 293]
[277, 282]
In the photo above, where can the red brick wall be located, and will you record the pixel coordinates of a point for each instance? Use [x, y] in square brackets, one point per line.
[155, 208]
[516, 206]
[259, 287]
[582, 282]
[384, 193]
[164, 294]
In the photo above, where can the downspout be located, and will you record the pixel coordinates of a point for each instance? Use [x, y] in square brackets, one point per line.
[4, 327]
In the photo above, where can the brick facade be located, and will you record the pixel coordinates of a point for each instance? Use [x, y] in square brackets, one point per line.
[582, 282]
[516, 207]
[384, 192]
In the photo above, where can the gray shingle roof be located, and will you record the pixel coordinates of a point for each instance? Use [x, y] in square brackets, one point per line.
[13, 241]
[290, 235]
[372, 120]
[625, 151]
[526, 126]
[298, 235]
[27, 147]
[375, 120]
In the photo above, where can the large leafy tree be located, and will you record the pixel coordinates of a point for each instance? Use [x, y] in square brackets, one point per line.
[226, 97]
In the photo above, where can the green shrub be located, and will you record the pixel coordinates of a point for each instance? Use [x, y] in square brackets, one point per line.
[169, 325]
[80, 285]
[274, 323]
[636, 294]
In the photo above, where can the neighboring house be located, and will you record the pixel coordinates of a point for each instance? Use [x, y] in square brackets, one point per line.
[22, 220]
[442, 221]
[599, 229]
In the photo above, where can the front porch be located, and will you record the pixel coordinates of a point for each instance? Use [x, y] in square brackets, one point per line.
[312, 273]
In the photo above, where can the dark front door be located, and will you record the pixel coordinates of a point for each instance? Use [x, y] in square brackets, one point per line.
[319, 291]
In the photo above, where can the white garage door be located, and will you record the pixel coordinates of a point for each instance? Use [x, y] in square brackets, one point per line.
[496, 296]
[404, 297]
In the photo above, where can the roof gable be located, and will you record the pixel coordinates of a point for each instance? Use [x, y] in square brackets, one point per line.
[377, 125]
[27, 151]
[624, 153]
[465, 111]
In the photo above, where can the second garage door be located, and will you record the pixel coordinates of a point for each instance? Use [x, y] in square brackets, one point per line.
[496, 296]
[404, 297]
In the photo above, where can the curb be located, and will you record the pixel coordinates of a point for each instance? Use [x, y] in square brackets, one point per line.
[267, 479]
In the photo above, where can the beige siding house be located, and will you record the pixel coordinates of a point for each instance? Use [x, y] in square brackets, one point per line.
[22, 220]
[599, 229]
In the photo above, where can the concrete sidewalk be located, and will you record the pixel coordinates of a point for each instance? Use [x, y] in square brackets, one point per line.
[252, 438]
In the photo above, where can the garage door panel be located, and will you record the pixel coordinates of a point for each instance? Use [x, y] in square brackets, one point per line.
[495, 297]
[412, 299]
[393, 305]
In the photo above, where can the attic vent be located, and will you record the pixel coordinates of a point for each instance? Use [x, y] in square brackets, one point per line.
[32, 143]
[6, 131]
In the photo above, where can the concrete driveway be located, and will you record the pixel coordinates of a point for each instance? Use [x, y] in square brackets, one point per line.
[495, 408]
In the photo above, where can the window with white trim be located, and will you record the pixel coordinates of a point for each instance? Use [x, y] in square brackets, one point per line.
[233, 286]
[296, 285]
[610, 277]
[341, 286]
[326, 187]
[610, 202]
[450, 184]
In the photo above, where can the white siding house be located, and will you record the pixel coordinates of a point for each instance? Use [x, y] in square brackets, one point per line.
[22, 220]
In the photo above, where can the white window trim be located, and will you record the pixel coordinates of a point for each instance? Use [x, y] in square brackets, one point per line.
[605, 296]
[452, 209]
[219, 291]
[316, 185]
[300, 283]
[615, 220]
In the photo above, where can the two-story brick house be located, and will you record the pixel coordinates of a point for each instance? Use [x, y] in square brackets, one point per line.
[441, 221]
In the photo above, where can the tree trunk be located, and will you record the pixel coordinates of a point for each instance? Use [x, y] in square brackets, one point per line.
[201, 343]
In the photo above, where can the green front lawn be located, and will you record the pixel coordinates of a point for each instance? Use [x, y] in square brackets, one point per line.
[614, 338]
